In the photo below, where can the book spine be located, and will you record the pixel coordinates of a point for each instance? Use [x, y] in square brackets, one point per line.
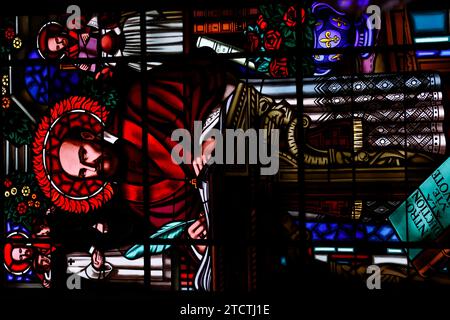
[219, 27]
[371, 84]
[433, 143]
[435, 258]
[427, 261]
[221, 47]
[398, 101]
[375, 130]
[426, 114]
[242, 12]
[217, 46]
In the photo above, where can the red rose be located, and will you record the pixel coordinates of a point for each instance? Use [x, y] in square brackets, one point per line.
[272, 40]
[262, 24]
[253, 41]
[278, 68]
[9, 33]
[6, 102]
[7, 183]
[303, 15]
[290, 16]
[22, 208]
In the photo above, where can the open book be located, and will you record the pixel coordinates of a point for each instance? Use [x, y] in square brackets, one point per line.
[425, 216]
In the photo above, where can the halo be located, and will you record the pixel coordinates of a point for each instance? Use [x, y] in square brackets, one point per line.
[66, 192]
[14, 267]
[40, 41]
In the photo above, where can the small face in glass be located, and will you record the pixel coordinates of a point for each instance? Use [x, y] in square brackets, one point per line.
[21, 253]
[56, 44]
[87, 157]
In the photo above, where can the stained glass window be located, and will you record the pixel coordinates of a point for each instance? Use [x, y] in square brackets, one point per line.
[212, 147]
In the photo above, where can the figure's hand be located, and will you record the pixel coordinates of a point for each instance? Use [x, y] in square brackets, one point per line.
[103, 74]
[46, 283]
[208, 147]
[44, 261]
[46, 279]
[101, 227]
[198, 164]
[44, 231]
[50, 211]
[198, 230]
[98, 260]
[85, 37]
[84, 67]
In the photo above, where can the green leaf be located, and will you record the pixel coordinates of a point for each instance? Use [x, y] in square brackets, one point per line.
[276, 18]
[290, 43]
[281, 9]
[262, 64]
[171, 230]
[287, 33]
[264, 11]
[283, 29]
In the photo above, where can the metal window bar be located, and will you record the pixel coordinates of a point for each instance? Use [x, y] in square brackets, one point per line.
[299, 84]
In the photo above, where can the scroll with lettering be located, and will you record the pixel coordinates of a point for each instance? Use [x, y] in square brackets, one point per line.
[425, 216]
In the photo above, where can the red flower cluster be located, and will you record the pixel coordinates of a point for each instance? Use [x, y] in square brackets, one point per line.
[262, 24]
[6, 102]
[274, 32]
[290, 17]
[279, 67]
[22, 208]
[272, 40]
[9, 33]
[253, 41]
[7, 183]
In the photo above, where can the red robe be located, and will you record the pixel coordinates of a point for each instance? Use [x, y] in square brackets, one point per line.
[175, 97]
[73, 48]
[44, 249]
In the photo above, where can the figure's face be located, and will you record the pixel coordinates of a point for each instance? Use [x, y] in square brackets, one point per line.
[56, 44]
[43, 262]
[21, 253]
[87, 158]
